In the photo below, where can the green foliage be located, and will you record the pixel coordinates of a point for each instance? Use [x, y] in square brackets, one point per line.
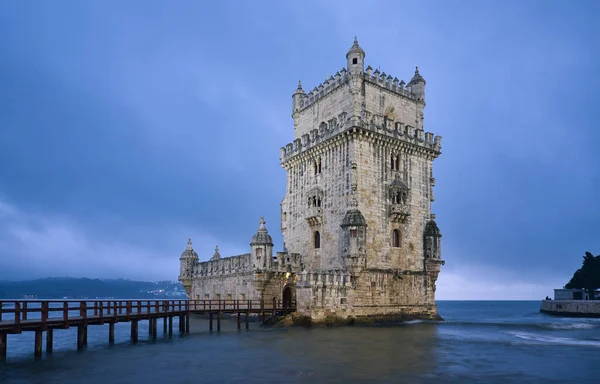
[588, 276]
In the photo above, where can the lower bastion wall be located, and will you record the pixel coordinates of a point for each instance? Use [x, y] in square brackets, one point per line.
[242, 286]
[373, 294]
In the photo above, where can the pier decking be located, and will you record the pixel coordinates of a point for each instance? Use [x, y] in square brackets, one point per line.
[17, 316]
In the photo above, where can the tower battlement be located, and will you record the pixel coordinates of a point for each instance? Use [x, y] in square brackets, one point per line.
[381, 79]
[409, 135]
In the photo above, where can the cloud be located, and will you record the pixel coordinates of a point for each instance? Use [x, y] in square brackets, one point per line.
[40, 245]
[485, 283]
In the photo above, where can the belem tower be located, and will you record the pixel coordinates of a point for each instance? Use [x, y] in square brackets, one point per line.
[360, 241]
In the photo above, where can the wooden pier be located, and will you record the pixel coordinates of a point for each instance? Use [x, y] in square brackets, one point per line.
[17, 316]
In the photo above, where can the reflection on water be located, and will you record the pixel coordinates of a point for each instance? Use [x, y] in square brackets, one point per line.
[479, 342]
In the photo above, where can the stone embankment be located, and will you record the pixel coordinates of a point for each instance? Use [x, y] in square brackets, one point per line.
[572, 308]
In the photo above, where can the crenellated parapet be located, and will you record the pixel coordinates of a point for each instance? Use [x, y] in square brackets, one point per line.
[389, 83]
[371, 123]
[224, 266]
[287, 262]
[322, 90]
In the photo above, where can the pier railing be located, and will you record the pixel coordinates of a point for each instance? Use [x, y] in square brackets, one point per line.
[17, 316]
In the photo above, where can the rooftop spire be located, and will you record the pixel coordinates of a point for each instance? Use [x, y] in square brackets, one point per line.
[216, 255]
[355, 48]
[417, 78]
[189, 246]
[262, 224]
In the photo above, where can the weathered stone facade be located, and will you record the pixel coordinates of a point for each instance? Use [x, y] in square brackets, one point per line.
[359, 236]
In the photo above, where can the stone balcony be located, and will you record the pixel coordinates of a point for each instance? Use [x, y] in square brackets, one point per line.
[398, 213]
[314, 216]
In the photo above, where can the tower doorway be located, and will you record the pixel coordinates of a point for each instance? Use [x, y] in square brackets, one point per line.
[287, 297]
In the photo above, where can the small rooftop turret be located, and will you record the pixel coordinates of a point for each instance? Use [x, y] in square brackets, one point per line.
[298, 98]
[356, 58]
[417, 85]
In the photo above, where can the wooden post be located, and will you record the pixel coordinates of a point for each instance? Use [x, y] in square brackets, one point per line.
[154, 324]
[248, 309]
[187, 323]
[165, 324]
[66, 314]
[111, 332]
[49, 340]
[219, 321]
[37, 352]
[210, 316]
[239, 324]
[24, 310]
[3, 341]
[150, 321]
[170, 325]
[80, 337]
[134, 331]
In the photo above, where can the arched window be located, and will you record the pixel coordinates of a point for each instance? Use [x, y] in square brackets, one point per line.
[317, 239]
[319, 165]
[396, 238]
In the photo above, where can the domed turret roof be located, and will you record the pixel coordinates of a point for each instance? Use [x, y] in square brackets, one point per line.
[417, 78]
[189, 251]
[262, 236]
[431, 229]
[354, 218]
[355, 48]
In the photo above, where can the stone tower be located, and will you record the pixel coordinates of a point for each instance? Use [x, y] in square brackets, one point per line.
[358, 196]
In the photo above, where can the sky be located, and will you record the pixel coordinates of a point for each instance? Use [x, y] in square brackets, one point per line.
[128, 127]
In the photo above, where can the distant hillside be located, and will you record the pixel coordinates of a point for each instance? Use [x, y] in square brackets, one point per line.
[84, 288]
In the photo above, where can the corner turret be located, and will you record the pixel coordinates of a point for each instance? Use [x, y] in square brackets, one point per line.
[356, 59]
[262, 247]
[297, 102]
[417, 85]
[187, 262]
[432, 252]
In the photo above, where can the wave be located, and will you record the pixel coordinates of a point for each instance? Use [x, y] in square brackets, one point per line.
[533, 325]
[542, 339]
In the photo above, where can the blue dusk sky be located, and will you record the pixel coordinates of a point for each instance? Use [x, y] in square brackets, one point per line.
[127, 127]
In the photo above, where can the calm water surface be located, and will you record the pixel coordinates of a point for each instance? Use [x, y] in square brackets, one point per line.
[480, 342]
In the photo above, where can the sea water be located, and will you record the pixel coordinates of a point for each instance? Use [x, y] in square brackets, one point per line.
[479, 342]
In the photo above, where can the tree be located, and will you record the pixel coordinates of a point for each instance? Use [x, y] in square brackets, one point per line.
[588, 276]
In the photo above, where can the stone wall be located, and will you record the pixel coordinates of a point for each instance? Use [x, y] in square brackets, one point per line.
[575, 308]
[375, 293]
